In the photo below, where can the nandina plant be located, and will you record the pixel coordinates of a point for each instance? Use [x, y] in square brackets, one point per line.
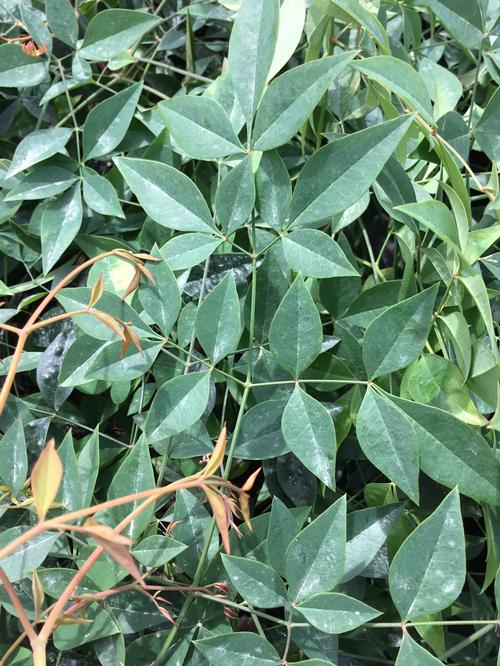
[248, 331]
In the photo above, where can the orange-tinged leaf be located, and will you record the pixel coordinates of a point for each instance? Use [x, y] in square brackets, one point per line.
[217, 456]
[245, 509]
[131, 337]
[97, 291]
[145, 271]
[38, 594]
[220, 515]
[108, 321]
[134, 283]
[115, 545]
[46, 478]
[248, 485]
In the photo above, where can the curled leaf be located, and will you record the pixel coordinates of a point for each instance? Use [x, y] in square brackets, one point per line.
[97, 291]
[217, 456]
[46, 478]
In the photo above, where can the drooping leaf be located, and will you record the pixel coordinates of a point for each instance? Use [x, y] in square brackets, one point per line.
[291, 23]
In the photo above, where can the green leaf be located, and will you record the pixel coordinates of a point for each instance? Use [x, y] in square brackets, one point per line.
[452, 453]
[188, 250]
[428, 571]
[310, 434]
[235, 197]
[260, 435]
[19, 70]
[27, 557]
[338, 174]
[336, 613]
[315, 254]
[396, 337]
[315, 558]
[61, 17]
[100, 625]
[88, 467]
[61, 222]
[292, 97]
[200, 127]
[41, 183]
[109, 364]
[251, 50]
[38, 146]
[437, 217]
[258, 583]
[296, 333]
[291, 23]
[367, 531]
[156, 550]
[274, 190]
[461, 18]
[162, 299]
[192, 529]
[368, 20]
[134, 475]
[433, 380]
[411, 652]
[400, 78]
[112, 31]
[13, 458]
[388, 440]
[243, 648]
[218, 320]
[49, 365]
[283, 527]
[458, 331]
[70, 490]
[178, 404]
[107, 123]
[167, 195]
[99, 194]
[486, 131]
[474, 284]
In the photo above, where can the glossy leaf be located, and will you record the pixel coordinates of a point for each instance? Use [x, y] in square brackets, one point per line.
[314, 560]
[295, 336]
[161, 299]
[310, 434]
[338, 174]
[167, 195]
[336, 613]
[388, 440]
[29, 556]
[428, 572]
[463, 19]
[108, 122]
[396, 337]
[13, 458]
[315, 254]
[291, 23]
[200, 127]
[251, 51]
[258, 583]
[291, 99]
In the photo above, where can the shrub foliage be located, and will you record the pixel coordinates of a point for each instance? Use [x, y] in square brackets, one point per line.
[273, 226]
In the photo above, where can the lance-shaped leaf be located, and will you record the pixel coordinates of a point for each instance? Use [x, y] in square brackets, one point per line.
[411, 652]
[46, 478]
[291, 23]
[167, 195]
[315, 558]
[218, 320]
[296, 333]
[396, 337]
[437, 217]
[315, 254]
[283, 527]
[388, 440]
[107, 123]
[338, 174]
[38, 146]
[19, 70]
[61, 17]
[462, 19]
[309, 432]
[200, 127]
[428, 571]
[258, 583]
[251, 51]
[336, 613]
[217, 457]
[61, 222]
[13, 457]
[400, 78]
[274, 190]
[243, 648]
[292, 97]
[235, 197]
[99, 194]
[352, 9]
[188, 250]
[113, 31]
